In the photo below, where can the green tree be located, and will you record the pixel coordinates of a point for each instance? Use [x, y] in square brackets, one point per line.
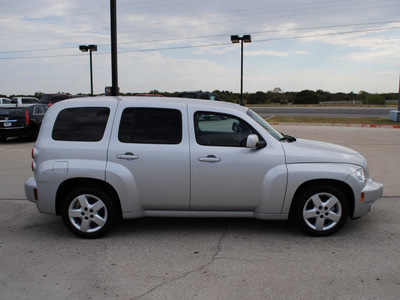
[362, 96]
[306, 97]
[374, 99]
[258, 97]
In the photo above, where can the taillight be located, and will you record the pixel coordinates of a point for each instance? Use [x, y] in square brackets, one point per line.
[35, 152]
[26, 117]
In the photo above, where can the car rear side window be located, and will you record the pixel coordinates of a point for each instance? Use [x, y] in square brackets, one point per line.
[81, 124]
[150, 126]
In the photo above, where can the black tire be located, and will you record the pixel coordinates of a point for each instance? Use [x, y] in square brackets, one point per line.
[88, 212]
[321, 210]
[33, 131]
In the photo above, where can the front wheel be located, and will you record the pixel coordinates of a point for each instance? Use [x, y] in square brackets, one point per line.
[321, 211]
[88, 212]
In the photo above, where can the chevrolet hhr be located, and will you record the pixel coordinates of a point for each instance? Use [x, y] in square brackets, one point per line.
[100, 159]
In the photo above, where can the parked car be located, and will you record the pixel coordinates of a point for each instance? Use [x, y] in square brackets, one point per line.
[4, 101]
[24, 100]
[199, 95]
[50, 99]
[21, 120]
[100, 159]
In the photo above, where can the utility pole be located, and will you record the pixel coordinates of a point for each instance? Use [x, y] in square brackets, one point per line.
[114, 60]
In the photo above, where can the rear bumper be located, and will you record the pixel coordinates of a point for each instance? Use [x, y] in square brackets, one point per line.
[369, 194]
[30, 186]
[43, 197]
[11, 132]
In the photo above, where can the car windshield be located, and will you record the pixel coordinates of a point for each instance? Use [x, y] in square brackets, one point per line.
[271, 130]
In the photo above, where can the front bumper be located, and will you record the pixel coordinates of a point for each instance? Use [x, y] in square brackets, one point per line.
[369, 194]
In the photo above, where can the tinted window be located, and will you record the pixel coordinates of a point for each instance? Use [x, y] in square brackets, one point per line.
[215, 129]
[81, 124]
[188, 95]
[28, 100]
[12, 112]
[39, 110]
[151, 126]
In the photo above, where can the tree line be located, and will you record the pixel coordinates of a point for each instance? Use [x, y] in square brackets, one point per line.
[276, 96]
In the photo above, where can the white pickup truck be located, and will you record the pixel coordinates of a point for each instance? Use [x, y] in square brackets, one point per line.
[99, 159]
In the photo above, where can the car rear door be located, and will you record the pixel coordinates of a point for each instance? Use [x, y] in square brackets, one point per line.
[150, 148]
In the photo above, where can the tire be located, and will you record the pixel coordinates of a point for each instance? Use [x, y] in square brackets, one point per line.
[88, 212]
[33, 131]
[321, 210]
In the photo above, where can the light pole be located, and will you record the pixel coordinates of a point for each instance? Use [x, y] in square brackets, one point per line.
[235, 39]
[89, 48]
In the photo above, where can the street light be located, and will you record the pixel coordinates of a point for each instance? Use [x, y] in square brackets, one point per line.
[89, 48]
[235, 39]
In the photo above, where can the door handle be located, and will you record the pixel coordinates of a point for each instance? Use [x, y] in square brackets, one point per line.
[127, 156]
[210, 158]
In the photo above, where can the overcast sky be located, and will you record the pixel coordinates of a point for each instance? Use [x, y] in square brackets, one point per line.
[177, 45]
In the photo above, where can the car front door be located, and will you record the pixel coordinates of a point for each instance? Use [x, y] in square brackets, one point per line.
[225, 175]
[150, 144]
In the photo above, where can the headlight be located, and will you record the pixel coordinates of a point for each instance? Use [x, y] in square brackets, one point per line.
[361, 175]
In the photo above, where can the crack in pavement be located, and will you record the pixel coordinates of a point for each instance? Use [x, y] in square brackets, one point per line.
[199, 269]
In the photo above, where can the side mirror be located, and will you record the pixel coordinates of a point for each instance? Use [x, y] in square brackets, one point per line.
[254, 142]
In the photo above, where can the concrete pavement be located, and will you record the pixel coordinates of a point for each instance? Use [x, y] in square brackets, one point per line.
[205, 258]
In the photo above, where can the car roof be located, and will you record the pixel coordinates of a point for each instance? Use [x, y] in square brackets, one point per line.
[158, 100]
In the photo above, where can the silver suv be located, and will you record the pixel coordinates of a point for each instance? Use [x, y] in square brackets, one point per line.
[99, 159]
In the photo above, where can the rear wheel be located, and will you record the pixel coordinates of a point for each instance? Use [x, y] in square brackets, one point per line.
[321, 210]
[88, 212]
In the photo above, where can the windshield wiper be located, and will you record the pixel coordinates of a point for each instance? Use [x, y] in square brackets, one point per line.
[288, 138]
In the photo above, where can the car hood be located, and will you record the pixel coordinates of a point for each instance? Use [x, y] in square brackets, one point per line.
[308, 151]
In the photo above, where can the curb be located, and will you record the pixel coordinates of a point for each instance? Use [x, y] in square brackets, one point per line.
[339, 125]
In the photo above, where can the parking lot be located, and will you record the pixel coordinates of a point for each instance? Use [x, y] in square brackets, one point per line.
[205, 258]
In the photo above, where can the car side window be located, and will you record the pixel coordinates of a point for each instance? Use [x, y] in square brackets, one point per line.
[150, 126]
[216, 129]
[83, 124]
[39, 110]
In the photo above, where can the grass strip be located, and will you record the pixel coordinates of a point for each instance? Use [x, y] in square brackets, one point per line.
[293, 119]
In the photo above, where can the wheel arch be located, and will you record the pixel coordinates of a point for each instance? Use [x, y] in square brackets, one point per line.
[69, 184]
[344, 187]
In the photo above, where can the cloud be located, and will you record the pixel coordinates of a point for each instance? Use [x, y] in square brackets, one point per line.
[273, 53]
[63, 25]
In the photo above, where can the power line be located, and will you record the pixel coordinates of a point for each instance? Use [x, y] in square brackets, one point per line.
[211, 45]
[217, 35]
